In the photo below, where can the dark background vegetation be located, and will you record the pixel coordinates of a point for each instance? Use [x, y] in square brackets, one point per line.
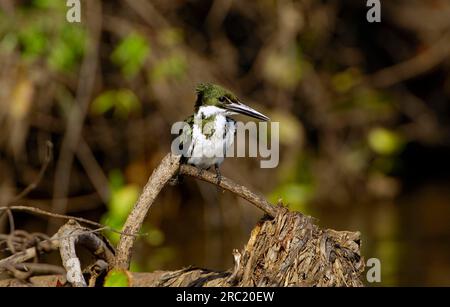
[363, 111]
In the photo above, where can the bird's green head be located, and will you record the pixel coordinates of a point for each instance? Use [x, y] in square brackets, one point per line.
[216, 96]
[213, 95]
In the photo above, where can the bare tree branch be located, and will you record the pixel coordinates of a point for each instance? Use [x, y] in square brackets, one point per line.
[61, 216]
[415, 66]
[71, 234]
[160, 176]
[231, 186]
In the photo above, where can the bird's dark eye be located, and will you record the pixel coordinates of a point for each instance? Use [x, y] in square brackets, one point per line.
[222, 99]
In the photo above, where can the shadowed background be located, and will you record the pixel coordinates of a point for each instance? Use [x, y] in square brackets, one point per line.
[363, 111]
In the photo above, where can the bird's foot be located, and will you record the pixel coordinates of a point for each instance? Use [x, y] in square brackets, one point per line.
[200, 171]
[176, 179]
[218, 175]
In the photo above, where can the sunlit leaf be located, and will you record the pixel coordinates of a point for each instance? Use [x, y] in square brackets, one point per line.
[170, 37]
[135, 267]
[116, 180]
[117, 278]
[173, 66]
[8, 43]
[49, 4]
[67, 49]
[114, 222]
[384, 141]
[120, 204]
[284, 69]
[123, 102]
[33, 42]
[131, 54]
[291, 129]
[126, 102]
[103, 103]
[346, 80]
[295, 195]
[122, 201]
[154, 237]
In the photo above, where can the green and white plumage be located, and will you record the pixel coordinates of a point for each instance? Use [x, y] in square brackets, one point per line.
[210, 134]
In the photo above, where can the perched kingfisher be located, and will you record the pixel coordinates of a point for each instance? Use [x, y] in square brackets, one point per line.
[210, 129]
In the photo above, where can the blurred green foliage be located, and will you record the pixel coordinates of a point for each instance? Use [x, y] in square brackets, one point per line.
[170, 37]
[38, 36]
[117, 278]
[296, 188]
[376, 103]
[384, 141]
[159, 257]
[346, 80]
[67, 50]
[295, 195]
[123, 197]
[33, 42]
[49, 4]
[174, 65]
[154, 236]
[122, 101]
[284, 68]
[130, 54]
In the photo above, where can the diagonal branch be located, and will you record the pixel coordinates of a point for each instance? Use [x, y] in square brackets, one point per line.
[231, 186]
[159, 178]
[415, 66]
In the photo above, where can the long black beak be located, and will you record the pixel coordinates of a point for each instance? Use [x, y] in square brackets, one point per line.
[241, 108]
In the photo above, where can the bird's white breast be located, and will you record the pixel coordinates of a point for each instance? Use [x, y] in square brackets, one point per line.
[210, 141]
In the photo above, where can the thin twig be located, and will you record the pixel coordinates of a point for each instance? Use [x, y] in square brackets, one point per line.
[66, 217]
[54, 215]
[415, 66]
[93, 170]
[231, 186]
[12, 225]
[47, 159]
[40, 268]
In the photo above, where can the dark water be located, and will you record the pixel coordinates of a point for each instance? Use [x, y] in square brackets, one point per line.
[410, 236]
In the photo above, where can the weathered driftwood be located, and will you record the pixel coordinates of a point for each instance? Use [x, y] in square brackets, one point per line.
[289, 250]
[284, 249]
